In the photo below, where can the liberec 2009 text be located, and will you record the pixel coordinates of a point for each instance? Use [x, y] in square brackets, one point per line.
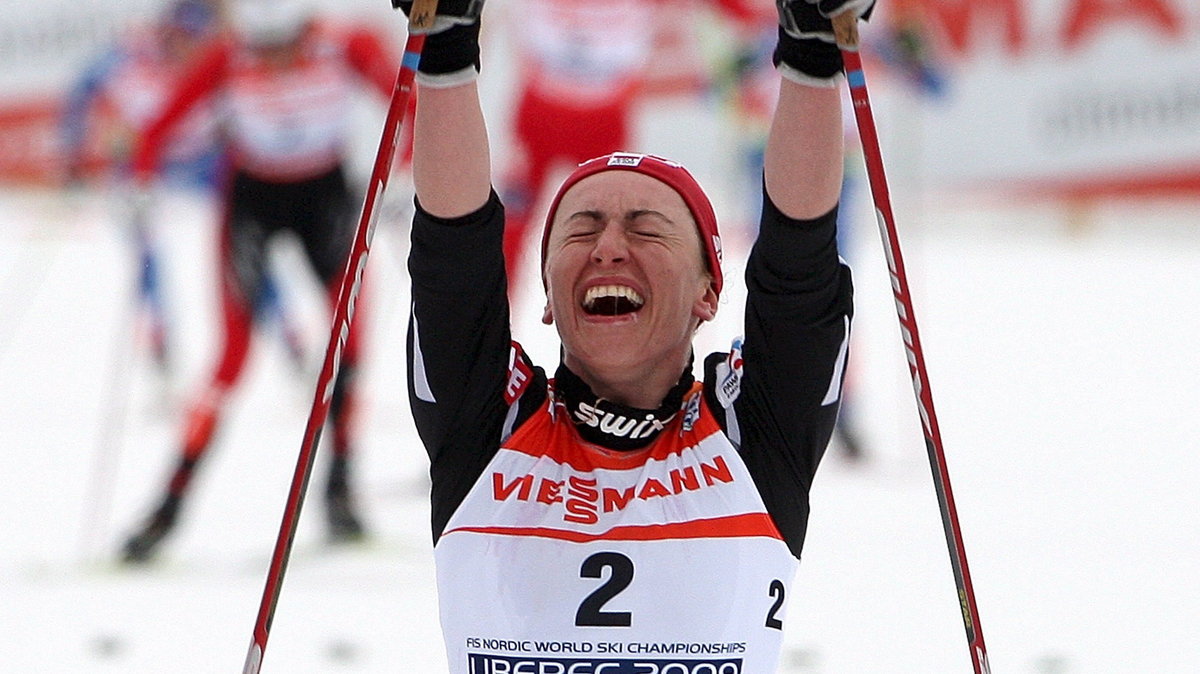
[508, 664]
[607, 647]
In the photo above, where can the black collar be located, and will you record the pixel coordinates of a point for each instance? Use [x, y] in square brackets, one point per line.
[613, 425]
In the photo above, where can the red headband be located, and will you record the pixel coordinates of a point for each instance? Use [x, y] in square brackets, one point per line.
[663, 170]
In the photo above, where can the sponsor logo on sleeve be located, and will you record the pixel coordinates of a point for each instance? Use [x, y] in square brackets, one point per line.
[729, 376]
[691, 414]
[519, 375]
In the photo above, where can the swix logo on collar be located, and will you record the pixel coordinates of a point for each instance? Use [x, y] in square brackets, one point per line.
[618, 425]
[610, 424]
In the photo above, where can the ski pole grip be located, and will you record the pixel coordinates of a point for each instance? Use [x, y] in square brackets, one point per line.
[845, 30]
[420, 19]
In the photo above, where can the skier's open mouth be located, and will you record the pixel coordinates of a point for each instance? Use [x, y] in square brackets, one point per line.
[611, 300]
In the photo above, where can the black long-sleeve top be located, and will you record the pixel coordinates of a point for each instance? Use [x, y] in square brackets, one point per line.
[775, 394]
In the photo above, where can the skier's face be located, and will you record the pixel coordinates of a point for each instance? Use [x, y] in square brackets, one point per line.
[625, 275]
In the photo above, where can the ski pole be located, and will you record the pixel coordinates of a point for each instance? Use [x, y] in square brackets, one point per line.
[111, 439]
[420, 20]
[847, 36]
[118, 382]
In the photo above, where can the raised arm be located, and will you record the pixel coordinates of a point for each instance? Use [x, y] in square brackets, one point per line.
[451, 159]
[803, 158]
[799, 301]
[459, 342]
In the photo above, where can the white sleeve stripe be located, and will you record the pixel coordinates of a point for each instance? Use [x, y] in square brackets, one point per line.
[420, 382]
[732, 430]
[835, 383]
[509, 420]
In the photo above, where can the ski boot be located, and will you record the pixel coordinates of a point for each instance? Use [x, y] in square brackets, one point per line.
[140, 547]
[340, 510]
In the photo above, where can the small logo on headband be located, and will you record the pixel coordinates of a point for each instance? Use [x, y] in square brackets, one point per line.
[634, 159]
[716, 241]
[625, 159]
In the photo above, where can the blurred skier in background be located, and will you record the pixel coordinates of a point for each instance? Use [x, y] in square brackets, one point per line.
[106, 109]
[285, 78]
[582, 71]
[119, 91]
[578, 67]
[110, 104]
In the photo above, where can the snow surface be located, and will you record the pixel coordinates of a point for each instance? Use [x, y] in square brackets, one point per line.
[1061, 348]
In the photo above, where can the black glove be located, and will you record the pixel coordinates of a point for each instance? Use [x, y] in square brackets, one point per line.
[807, 51]
[451, 53]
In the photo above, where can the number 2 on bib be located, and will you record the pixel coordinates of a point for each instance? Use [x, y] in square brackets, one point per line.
[620, 576]
[620, 567]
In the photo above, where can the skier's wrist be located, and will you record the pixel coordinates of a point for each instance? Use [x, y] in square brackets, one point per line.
[810, 61]
[450, 57]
